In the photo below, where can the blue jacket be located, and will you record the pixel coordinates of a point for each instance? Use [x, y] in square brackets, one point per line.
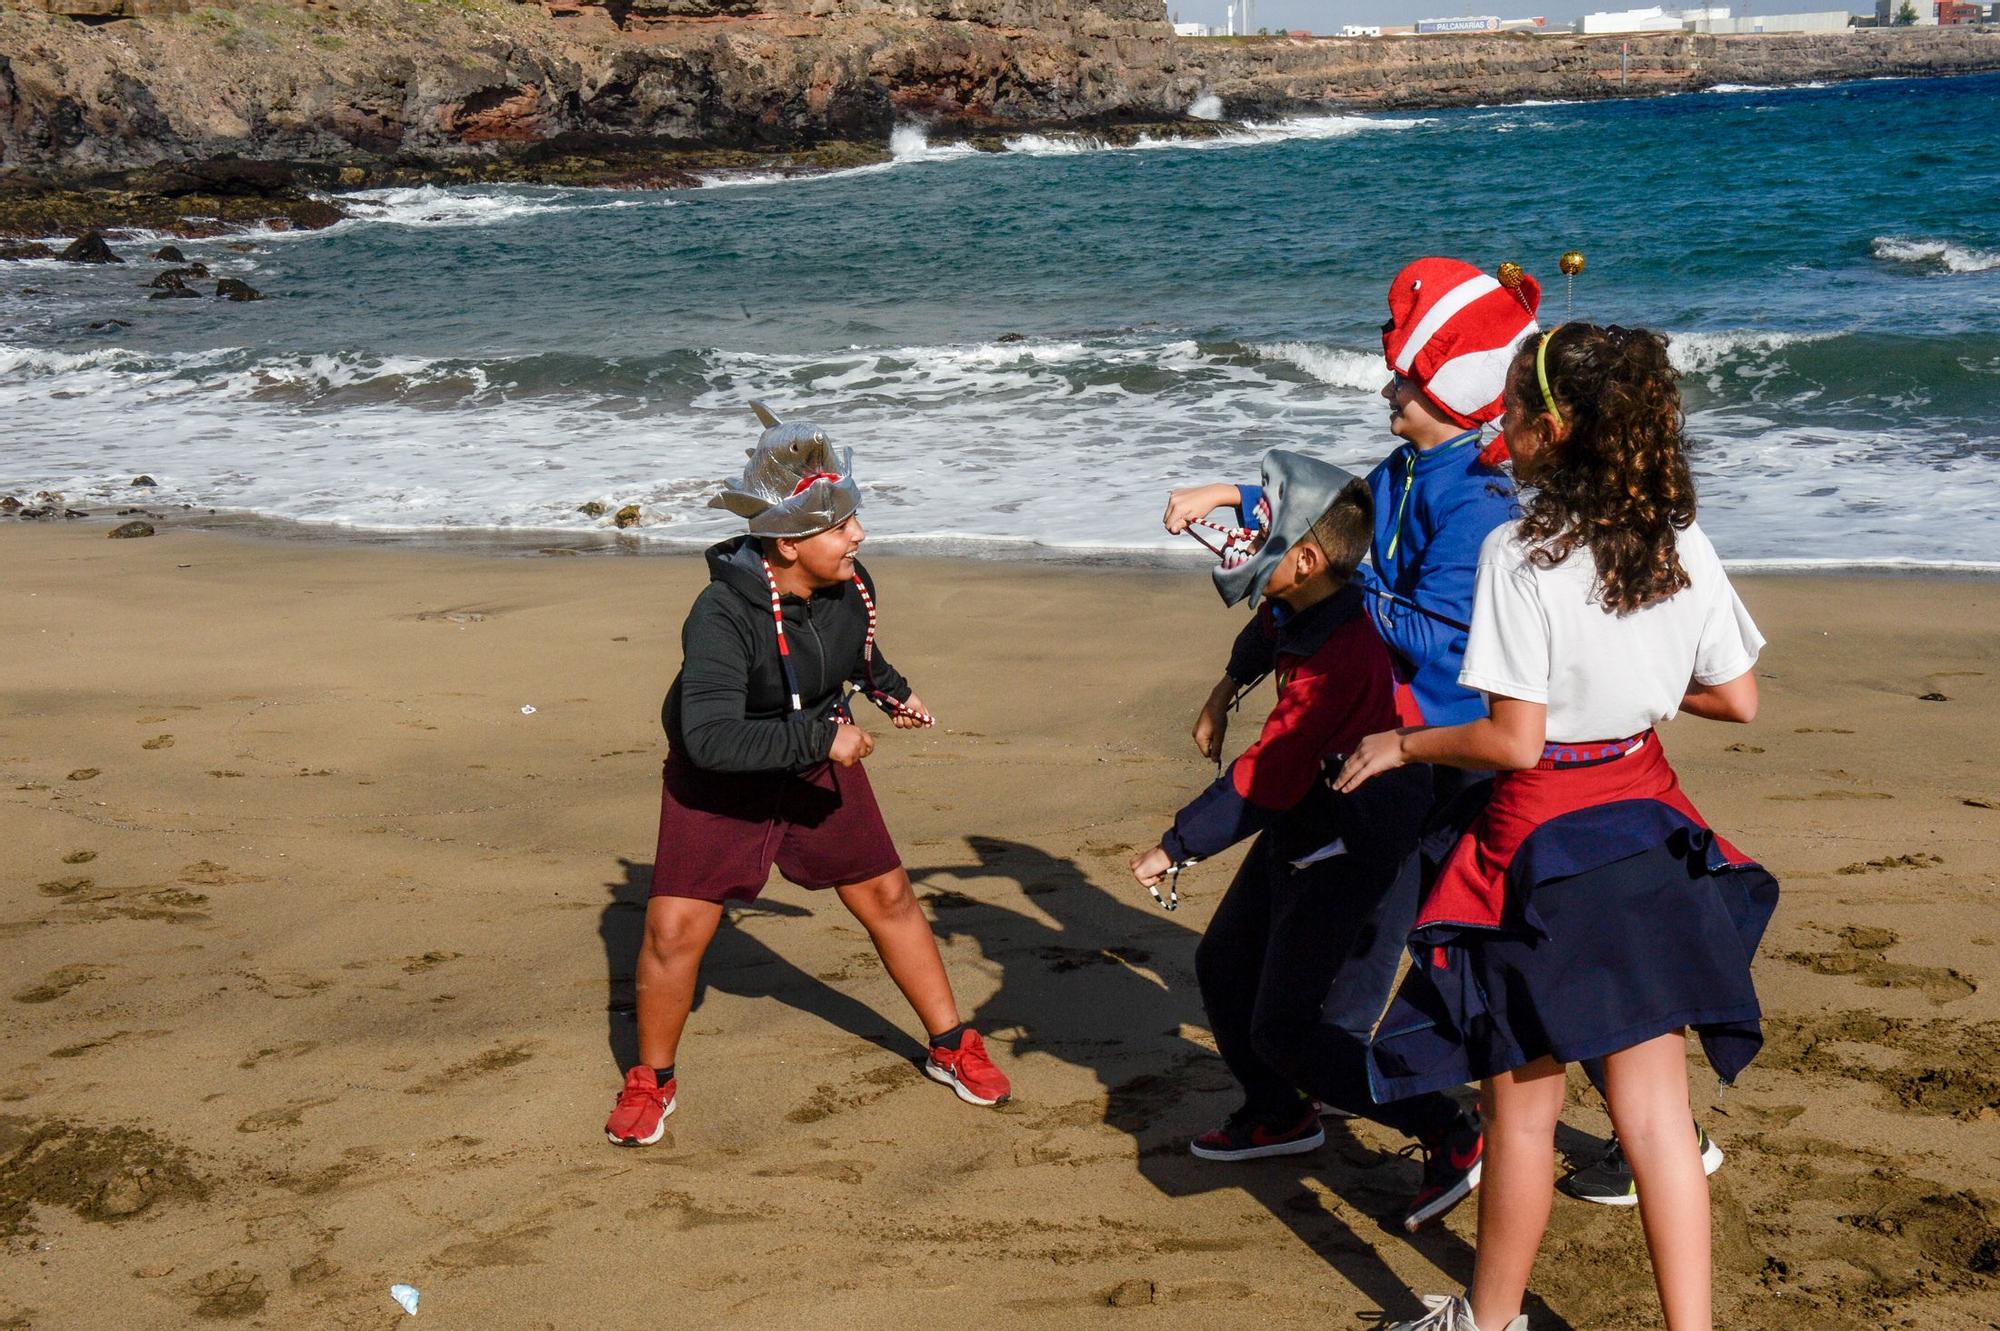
[1433, 509]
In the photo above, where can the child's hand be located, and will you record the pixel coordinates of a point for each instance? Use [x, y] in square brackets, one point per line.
[1198, 501]
[850, 745]
[1213, 724]
[1373, 756]
[904, 721]
[1151, 868]
[1210, 728]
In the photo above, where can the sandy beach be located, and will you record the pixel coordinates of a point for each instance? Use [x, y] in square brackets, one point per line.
[317, 949]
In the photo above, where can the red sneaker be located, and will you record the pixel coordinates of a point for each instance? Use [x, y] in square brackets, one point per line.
[640, 1116]
[1243, 1136]
[968, 1071]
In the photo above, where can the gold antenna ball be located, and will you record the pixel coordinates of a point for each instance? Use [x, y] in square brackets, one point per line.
[1571, 262]
[1511, 275]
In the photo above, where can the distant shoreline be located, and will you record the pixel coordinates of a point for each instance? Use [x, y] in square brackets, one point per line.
[228, 119]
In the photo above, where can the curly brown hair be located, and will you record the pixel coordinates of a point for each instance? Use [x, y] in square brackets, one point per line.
[1618, 481]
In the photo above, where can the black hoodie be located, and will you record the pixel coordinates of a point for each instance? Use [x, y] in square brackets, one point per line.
[729, 709]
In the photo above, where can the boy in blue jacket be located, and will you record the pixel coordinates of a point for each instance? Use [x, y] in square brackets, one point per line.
[1451, 332]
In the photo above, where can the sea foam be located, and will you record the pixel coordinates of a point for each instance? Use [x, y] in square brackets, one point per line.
[1933, 255]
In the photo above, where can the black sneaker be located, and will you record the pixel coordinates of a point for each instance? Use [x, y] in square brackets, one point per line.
[1451, 1170]
[1244, 1136]
[1608, 1180]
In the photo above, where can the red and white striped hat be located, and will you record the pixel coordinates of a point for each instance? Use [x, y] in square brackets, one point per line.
[1452, 330]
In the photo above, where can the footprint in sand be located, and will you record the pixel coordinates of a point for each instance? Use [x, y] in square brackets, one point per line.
[229, 1292]
[281, 1052]
[80, 857]
[281, 1116]
[429, 961]
[1919, 860]
[1861, 955]
[159, 742]
[83, 774]
[65, 887]
[831, 1171]
[57, 983]
[497, 1059]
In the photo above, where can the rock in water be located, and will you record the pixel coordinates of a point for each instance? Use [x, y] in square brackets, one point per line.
[144, 480]
[168, 286]
[89, 248]
[130, 530]
[235, 288]
[627, 516]
[33, 249]
[10, 505]
[169, 254]
[593, 509]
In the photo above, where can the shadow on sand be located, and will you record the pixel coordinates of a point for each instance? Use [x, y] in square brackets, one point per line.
[1104, 983]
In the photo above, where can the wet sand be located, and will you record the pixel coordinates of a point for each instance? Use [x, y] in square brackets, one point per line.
[317, 955]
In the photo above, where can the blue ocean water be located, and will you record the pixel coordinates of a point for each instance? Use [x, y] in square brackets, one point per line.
[1827, 259]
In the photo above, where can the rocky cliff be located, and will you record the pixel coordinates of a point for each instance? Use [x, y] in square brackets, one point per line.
[236, 103]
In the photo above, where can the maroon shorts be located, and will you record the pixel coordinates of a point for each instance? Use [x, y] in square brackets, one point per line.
[720, 832]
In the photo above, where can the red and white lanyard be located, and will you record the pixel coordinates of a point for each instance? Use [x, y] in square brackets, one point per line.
[893, 706]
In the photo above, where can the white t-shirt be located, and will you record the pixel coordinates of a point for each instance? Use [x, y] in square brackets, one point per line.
[1543, 635]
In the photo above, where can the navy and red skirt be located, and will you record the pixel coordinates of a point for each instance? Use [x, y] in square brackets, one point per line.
[1572, 910]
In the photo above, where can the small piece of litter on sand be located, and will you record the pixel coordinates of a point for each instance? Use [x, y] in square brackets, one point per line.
[527, 710]
[1932, 697]
[407, 1296]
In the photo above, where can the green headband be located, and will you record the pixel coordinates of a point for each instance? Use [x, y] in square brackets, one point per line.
[1542, 372]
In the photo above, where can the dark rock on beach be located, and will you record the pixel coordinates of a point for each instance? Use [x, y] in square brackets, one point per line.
[33, 249]
[90, 247]
[169, 254]
[592, 509]
[10, 505]
[627, 516]
[144, 481]
[235, 288]
[130, 530]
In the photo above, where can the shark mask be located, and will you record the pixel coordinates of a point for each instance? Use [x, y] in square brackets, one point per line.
[796, 484]
[1297, 490]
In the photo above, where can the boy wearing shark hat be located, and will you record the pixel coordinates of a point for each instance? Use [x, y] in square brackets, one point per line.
[1303, 922]
[764, 765]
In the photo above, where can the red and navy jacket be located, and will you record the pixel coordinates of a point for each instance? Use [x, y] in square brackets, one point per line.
[1335, 685]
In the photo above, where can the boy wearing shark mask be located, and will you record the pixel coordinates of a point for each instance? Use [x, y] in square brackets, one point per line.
[764, 765]
[1299, 928]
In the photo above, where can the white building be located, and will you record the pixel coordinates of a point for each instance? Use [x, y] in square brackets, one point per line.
[1357, 30]
[1654, 19]
[1831, 20]
[1193, 30]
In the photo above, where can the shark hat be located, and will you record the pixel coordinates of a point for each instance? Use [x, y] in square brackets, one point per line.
[796, 484]
[1297, 490]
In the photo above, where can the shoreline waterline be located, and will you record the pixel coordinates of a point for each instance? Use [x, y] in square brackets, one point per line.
[500, 543]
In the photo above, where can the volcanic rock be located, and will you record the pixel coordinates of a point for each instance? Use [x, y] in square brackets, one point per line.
[235, 288]
[169, 254]
[33, 249]
[130, 530]
[627, 516]
[144, 480]
[89, 248]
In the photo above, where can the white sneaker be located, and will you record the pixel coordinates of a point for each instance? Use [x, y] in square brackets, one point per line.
[1451, 1312]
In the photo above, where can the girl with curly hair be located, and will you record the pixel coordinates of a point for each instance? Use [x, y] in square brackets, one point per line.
[1578, 906]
